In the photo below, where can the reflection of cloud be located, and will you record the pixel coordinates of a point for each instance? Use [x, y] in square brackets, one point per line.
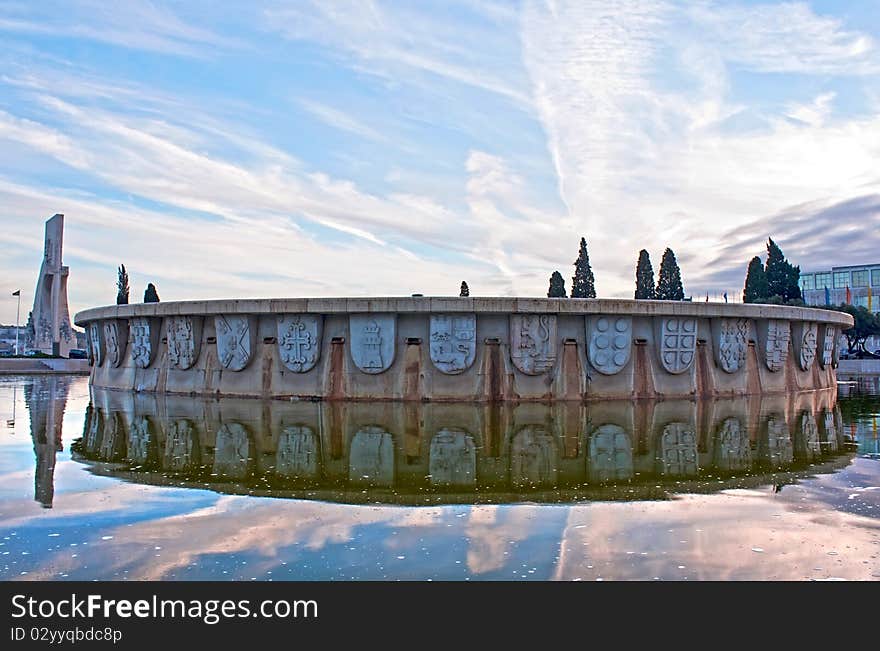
[491, 530]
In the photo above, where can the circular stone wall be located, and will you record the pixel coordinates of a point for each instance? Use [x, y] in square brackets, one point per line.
[461, 349]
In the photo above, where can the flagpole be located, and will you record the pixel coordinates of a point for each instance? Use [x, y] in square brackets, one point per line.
[17, 318]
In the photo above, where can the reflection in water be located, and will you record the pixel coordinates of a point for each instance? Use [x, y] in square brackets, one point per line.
[46, 398]
[401, 452]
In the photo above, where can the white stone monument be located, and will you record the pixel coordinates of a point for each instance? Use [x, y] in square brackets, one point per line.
[52, 333]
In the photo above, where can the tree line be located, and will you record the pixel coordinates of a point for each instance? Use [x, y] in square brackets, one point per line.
[122, 288]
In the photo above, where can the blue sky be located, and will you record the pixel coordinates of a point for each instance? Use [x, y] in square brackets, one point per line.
[351, 148]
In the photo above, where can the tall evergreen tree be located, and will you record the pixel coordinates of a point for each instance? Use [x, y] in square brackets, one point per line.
[782, 276]
[645, 277]
[755, 290]
[669, 286]
[557, 286]
[465, 291]
[151, 295]
[122, 286]
[583, 285]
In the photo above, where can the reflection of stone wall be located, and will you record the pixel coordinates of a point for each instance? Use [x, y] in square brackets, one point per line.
[423, 349]
[414, 448]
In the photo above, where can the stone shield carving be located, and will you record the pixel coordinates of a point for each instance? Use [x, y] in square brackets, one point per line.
[184, 335]
[678, 344]
[115, 341]
[453, 342]
[139, 440]
[677, 452]
[609, 343]
[236, 340]
[611, 454]
[182, 451]
[144, 336]
[806, 336]
[731, 343]
[807, 443]
[96, 341]
[774, 336]
[299, 341]
[776, 450]
[373, 341]
[533, 458]
[732, 448]
[371, 457]
[452, 459]
[533, 342]
[232, 451]
[298, 451]
[829, 342]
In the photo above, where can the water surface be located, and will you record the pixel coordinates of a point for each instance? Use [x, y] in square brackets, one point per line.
[124, 486]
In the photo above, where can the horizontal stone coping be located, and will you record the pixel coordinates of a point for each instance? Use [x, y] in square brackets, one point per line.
[477, 304]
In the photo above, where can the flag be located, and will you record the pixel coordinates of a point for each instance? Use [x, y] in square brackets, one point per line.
[725, 297]
[827, 296]
[17, 292]
[848, 295]
[707, 297]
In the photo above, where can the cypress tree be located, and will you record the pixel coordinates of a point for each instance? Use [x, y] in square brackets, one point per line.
[583, 285]
[557, 286]
[645, 277]
[782, 276]
[669, 286]
[464, 289]
[122, 286]
[755, 290]
[150, 295]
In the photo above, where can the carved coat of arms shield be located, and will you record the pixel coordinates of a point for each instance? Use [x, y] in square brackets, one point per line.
[533, 342]
[677, 452]
[453, 342]
[184, 335]
[678, 344]
[298, 452]
[609, 343]
[371, 457]
[96, 343]
[806, 341]
[144, 336]
[829, 342]
[774, 336]
[611, 454]
[372, 341]
[731, 339]
[236, 340]
[115, 341]
[299, 341]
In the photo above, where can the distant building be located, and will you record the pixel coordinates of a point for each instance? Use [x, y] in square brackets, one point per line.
[861, 280]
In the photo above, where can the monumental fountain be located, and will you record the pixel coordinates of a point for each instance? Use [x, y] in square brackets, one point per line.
[470, 349]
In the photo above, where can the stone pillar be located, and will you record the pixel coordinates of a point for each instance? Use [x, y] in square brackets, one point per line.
[52, 333]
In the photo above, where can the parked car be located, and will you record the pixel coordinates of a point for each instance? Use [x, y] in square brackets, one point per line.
[77, 353]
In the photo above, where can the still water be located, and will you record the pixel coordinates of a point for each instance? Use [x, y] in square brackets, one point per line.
[116, 486]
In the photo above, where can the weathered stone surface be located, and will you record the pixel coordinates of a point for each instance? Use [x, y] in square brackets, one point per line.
[452, 458]
[731, 343]
[298, 453]
[774, 337]
[373, 341]
[51, 333]
[453, 342]
[806, 335]
[144, 336]
[115, 340]
[610, 343]
[533, 342]
[184, 334]
[182, 451]
[677, 452]
[299, 341]
[371, 457]
[611, 454]
[678, 344]
[777, 450]
[139, 440]
[533, 457]
[236, 340]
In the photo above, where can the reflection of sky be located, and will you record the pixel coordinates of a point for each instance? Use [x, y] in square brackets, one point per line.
[822, 527]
